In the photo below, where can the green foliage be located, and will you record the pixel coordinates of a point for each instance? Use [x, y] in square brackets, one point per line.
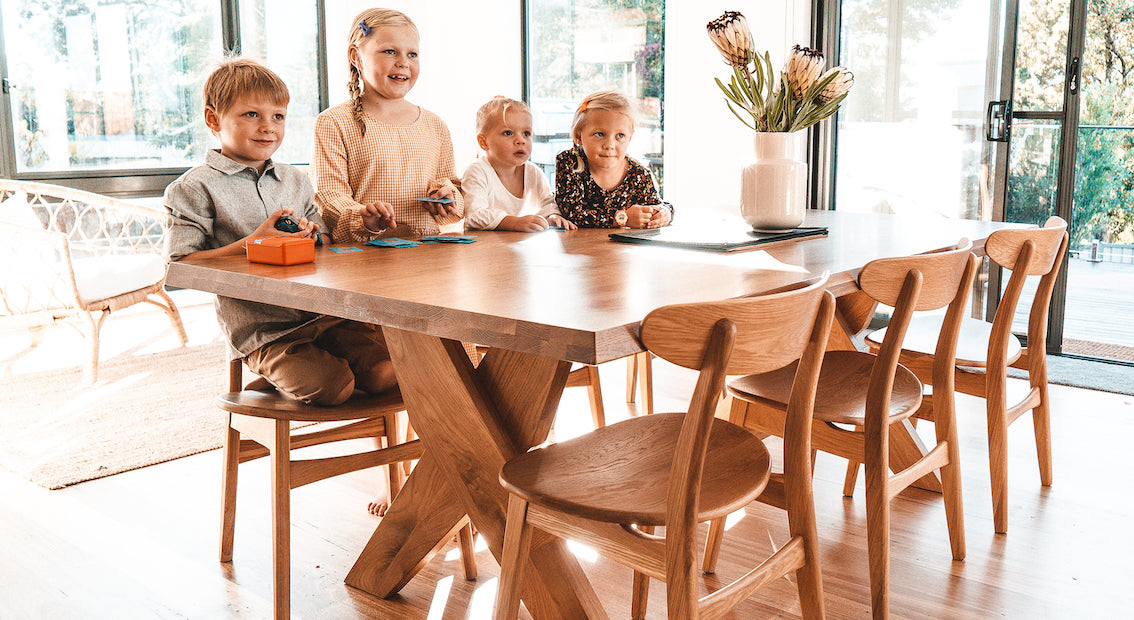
[1104, 166]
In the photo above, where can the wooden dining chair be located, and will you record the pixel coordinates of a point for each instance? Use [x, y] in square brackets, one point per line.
[640, 372]
[610, 488]
[862, 395]
[266, 419]
[986, 350]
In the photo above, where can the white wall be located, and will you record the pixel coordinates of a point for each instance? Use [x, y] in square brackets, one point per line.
[470, 52]
[705, 145]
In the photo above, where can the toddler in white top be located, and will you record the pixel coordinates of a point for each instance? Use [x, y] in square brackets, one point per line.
[503, 190]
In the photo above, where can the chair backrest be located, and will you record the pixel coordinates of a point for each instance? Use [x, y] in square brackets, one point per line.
[738, 336]
[1025, 252]
[916, 283]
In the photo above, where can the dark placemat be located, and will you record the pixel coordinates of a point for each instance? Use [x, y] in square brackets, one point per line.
[713, 238]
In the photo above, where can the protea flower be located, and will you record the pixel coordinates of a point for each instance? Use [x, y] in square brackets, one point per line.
[802, 69]
[838, 86]
[731, 35]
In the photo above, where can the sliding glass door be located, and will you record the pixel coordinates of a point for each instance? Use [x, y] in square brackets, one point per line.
[1011, 110]
[1071, 154]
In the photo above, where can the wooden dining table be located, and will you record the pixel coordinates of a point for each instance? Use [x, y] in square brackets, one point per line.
[540, 302]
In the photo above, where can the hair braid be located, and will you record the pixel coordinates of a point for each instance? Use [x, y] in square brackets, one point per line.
[356, 98]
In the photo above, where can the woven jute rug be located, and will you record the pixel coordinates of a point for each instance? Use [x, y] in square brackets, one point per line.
[144, 409]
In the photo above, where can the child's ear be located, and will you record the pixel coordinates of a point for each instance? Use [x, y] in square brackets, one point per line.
[212, 119]
[482, 142]
[352, 56]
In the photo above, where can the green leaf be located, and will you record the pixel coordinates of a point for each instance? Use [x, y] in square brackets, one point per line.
[737, 115]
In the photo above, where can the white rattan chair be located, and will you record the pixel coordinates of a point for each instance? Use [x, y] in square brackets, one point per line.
[68, 253]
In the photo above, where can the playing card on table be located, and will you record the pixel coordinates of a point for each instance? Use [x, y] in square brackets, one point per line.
[449, 239]
[392, 242]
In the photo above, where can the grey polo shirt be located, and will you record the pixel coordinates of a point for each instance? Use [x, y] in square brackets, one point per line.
[221, 202]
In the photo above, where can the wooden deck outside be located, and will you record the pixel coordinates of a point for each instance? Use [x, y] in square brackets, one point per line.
[1099, 318]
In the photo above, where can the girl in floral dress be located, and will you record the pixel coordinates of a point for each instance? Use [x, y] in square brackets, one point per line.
[596, 184]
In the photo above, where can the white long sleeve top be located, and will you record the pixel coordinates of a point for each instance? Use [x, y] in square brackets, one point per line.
[487, 201]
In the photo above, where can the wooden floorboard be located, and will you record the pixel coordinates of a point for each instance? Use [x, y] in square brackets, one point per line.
[143, 544]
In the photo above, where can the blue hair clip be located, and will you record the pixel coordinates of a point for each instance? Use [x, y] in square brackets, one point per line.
[364, 28]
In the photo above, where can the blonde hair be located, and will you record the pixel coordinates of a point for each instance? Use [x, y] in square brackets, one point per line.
[240, 77]
[498, 105]
[360, 28]
[600, 100]
[611, 100]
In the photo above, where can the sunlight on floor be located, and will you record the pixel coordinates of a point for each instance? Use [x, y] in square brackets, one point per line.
[440, 596]
[733, 519]
[483, 601]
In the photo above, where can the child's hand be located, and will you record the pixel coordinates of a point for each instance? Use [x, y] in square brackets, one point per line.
[437, 209]
[525, 223]
[559, 221]
[659, 218]
[307, 228]
[639, 216]
[378, 216]
[267, 228]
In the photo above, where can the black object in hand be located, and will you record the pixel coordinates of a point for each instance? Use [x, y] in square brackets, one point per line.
[287, 223]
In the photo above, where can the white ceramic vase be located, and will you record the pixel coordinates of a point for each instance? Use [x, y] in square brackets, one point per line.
[773, 189]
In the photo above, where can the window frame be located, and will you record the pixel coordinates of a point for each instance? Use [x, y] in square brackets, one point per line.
[136, 182]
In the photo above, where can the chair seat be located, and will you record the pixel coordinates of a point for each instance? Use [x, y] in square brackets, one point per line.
[103, 277]
[841, 395]
[274, 405]
[972, 345]
[634, 473]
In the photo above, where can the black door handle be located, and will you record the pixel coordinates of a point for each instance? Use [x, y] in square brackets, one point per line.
[998, 121]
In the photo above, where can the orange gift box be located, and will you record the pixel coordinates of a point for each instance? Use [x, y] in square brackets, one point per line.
[281, 250]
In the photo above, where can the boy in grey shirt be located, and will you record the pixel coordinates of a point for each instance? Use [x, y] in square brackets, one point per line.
[239, 194]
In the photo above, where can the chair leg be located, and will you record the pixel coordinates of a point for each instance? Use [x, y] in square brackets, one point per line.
[228, 491]
[945, 427]
[517, 541]
[468, 553]
[851, 478]
[407, 466]
[809, 577]
[174, 315]
[646, 379]
[631, 377]
[281, 521]
[713, 546]
[641, 591]
[998, 465]
[1041, 420]
[394, 472]
[90, 369]
[877, 471]
[594, 391]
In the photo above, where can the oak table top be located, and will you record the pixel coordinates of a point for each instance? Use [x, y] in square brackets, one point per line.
[573, 295]
[540, 301]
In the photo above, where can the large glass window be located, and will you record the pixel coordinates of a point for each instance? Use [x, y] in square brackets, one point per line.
[108, 85]
[97, 86]
[580, 46]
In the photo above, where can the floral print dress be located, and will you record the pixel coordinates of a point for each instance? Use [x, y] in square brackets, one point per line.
[582, 201]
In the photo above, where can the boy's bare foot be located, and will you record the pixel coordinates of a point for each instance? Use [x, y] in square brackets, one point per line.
[380, 503]
[378, 506]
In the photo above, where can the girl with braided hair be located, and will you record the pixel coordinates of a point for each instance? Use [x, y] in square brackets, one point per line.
[377, 153]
